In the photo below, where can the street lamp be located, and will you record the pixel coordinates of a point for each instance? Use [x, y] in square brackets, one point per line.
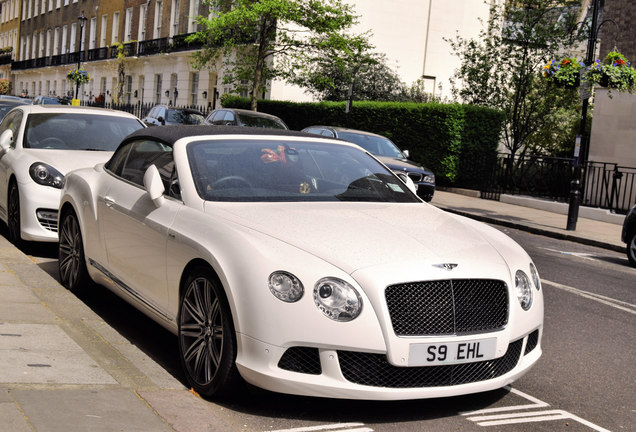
[82, 20]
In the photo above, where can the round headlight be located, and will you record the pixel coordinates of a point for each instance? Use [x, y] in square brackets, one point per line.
[535, 277]
[46, 175]
[524, 290]
[285, 286]
[337, 299]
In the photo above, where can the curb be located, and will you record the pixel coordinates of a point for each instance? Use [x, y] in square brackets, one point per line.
[534, 230]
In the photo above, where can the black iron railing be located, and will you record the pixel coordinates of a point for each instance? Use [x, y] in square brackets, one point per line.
[605, 185]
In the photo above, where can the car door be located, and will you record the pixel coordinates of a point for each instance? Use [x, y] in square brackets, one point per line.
[134, 229]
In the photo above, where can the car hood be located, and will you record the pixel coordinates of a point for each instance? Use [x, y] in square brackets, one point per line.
[68, 160]
[397, 164]
[354, 236]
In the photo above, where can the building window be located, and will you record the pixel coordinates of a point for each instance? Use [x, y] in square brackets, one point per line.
[173, 86]
[157, 32]
[128, 25]
[158, 88]
[115, 37]
[195, 88]
[128, 81]
[73, 37]
[93, 33]
[64, 44]
[174, 18]
[194, 12]
[47, 53]
[143, 13]
[102, 40]
[56, 41]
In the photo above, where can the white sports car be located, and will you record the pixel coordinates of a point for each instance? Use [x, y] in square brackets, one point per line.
[300, 264]
[39, 144]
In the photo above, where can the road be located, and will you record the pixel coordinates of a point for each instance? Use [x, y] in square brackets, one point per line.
[585, 380]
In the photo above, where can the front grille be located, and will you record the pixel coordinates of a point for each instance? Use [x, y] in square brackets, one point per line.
[301, 359]
[533, 341]
[374, 370]
[447, 307]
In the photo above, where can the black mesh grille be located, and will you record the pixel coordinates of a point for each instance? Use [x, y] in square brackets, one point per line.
[375, 370]
[301, 359]
[533, 340]
[446, 307]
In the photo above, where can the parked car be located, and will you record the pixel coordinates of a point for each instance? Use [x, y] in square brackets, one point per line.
[51, 100]
[628, 235]
[39, 144]
[301, 265]
[385, 150]
[24, 100]
[161, 115]
[7, 105]
[242, 117]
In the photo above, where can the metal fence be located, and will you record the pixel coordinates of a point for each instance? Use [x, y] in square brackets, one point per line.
[141, 109]
[605, 185]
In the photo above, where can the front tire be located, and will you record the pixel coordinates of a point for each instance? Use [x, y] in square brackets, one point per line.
[13, 215]
[207, 341]
[71, 259]
[631, 249]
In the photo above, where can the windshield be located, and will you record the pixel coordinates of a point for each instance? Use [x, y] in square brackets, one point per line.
[185, 117]
[376, 145]
[77, 131]
[270, 170]
[260, 121]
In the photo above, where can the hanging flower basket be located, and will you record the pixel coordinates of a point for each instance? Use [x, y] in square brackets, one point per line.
[78, 76]
[564, 73]
[614, 72]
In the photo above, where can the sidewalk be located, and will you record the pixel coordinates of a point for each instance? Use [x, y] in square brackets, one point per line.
[62, 368]
[595, 229]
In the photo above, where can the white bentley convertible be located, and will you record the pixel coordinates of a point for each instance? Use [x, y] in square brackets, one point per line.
[301, 265]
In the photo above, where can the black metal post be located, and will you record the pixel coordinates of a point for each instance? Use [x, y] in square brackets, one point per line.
[82, 19]
[582, 138]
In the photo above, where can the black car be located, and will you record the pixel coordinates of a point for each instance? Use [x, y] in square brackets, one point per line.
[629, 235]
[161, 115]
[7, 105]
[387, 152]
[242, 117]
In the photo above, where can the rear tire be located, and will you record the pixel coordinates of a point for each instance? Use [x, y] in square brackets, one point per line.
[631, 249]
[207, 341]
[71, 259]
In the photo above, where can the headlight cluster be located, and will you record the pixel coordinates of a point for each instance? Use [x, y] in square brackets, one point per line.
[524, 287]
[429, 179]
[335, 298]
[46, 175]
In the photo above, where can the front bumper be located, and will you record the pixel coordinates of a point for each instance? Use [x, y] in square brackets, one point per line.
[369, 376]
[38, 212]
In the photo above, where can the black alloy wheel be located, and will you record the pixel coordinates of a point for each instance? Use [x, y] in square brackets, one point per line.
[631, 249]
[207, 342]
[13, 215]
[71, 260]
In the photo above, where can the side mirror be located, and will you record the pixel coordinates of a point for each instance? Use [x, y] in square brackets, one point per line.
[406, 153]
[407, 181]
[5, 140]
[154, 185]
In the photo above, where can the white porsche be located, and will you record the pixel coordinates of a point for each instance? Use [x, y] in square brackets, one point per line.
[39, 144]
[301, 265]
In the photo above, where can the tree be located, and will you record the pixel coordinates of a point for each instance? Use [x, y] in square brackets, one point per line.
[348, 69]
[502, 68]
[259, 40]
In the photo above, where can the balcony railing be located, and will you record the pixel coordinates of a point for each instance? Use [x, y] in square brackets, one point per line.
[131, 49]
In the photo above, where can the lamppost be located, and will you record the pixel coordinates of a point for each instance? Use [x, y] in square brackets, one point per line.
[581, 138]
[82, 20]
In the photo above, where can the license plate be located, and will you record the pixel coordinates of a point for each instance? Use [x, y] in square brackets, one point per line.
[452, 352]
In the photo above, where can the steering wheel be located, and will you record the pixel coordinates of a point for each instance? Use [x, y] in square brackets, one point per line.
[233, 178]
[53, 142]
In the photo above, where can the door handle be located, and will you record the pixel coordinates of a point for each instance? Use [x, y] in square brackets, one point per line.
[109, 201]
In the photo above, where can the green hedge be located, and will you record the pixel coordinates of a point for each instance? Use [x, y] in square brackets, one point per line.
[447, 138]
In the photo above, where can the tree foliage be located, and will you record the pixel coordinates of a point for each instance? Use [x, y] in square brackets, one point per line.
[502, 68]
[257, 41]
